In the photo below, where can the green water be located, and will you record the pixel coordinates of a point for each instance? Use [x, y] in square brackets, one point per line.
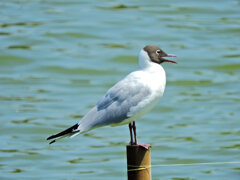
[57, 58]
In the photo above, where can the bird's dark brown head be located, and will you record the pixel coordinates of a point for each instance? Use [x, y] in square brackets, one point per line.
[157, 55]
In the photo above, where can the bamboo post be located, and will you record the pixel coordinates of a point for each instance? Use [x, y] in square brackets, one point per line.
[139, 162]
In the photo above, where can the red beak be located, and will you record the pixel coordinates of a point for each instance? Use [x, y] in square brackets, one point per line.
[168, 60]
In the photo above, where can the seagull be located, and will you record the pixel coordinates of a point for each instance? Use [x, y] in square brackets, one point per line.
[128, 99]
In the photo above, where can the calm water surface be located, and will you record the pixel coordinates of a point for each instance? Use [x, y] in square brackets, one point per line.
[57, 58]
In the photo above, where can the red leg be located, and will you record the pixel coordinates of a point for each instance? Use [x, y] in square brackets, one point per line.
[131, 135]
[146, 146]
[135, 133]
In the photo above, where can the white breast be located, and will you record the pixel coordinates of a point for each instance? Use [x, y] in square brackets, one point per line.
[153, 76]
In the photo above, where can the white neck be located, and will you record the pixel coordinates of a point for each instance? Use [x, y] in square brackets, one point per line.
[153, 69]
[143, 59]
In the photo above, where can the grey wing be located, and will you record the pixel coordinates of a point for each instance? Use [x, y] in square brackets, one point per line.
[114, 107]
[117, 102]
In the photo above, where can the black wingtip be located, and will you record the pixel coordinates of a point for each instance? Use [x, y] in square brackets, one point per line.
[70, 130]
[52, 141]
[50, 137]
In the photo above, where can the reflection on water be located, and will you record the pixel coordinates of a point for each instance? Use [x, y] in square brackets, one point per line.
[57, 58]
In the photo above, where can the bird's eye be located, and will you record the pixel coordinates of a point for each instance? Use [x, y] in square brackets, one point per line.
[158, 51]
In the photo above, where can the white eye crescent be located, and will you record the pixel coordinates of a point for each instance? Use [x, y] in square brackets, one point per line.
[158, 51]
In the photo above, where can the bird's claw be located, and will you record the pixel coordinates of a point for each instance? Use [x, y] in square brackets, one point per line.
[145, 146]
